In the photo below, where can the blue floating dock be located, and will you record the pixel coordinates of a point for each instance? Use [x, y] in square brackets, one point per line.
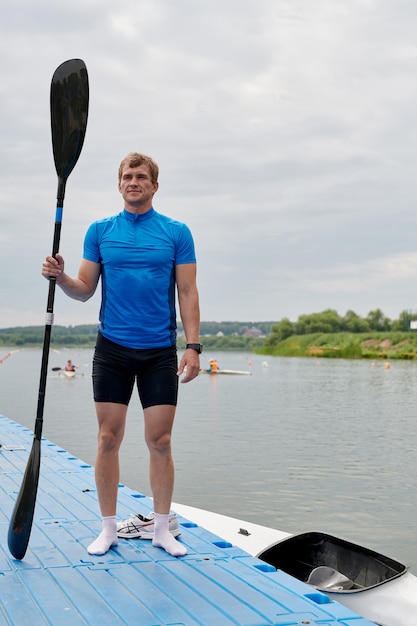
[58, 583]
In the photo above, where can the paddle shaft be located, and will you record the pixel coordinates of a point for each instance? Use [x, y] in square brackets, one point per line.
[49, 314]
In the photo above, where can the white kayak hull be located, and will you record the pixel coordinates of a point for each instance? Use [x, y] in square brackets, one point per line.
[67, 374]
[372, 585]
[227, 372]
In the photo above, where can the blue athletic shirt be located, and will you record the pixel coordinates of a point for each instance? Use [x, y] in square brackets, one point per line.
[138, 254]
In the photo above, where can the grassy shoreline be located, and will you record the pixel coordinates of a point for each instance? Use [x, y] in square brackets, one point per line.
[370, 345]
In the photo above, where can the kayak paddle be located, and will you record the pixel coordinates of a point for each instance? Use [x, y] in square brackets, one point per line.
[69, 112]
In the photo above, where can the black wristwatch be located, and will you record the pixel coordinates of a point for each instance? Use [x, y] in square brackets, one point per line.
[195, 346]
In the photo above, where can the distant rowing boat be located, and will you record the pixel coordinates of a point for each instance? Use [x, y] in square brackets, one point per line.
[215, 372]
[67, 373]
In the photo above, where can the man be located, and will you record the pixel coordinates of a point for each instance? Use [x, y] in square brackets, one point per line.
[141, 256]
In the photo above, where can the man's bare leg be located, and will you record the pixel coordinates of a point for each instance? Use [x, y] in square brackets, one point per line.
[158, 428]
[111, 426]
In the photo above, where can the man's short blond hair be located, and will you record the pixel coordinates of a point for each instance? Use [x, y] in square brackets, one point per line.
[134, 159]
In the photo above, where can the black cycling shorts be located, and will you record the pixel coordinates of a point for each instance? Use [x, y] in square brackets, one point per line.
[115, 369]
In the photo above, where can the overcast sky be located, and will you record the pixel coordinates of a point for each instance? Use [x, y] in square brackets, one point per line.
[285, 132]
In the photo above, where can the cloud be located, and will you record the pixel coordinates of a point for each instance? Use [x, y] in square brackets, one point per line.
[284, 131]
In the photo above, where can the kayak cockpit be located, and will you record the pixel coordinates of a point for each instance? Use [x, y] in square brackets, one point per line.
[331, 564]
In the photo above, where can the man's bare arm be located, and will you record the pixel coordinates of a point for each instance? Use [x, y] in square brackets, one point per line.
[80, 288]
[190, 315]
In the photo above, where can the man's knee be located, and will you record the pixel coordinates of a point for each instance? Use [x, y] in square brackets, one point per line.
[160, 443]
[109, 441]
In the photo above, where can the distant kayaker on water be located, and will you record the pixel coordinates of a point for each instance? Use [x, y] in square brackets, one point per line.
[142, 257]
[213, 365]
[70, 367]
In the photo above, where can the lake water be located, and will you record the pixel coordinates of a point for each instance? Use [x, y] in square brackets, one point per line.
[301, 444]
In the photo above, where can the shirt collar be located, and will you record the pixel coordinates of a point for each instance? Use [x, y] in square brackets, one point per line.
[134, 217]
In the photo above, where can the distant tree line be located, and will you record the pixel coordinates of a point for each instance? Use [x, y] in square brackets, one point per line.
[239, 329]
[329, 321]
[232, 335]
[82, 335]
[229, 335]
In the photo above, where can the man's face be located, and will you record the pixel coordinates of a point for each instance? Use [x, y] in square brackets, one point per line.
[137, 188]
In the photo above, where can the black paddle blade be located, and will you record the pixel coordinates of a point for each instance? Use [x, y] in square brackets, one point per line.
[69, 112]
[22, 516]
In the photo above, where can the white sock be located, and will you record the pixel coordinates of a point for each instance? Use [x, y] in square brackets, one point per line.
[163, 539]
[106, 539]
